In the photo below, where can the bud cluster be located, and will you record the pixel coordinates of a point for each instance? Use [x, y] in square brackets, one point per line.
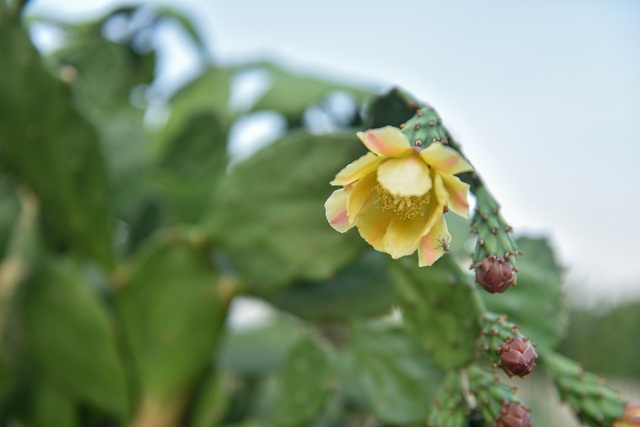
[494, 257]
[514, 415]
[478, 399]
[517, 357]
[507, 347]
[494, 274]
[496, 401]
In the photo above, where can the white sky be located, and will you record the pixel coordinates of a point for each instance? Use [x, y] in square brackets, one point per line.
[544, 96]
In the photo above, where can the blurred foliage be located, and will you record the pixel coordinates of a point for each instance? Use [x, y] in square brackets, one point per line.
[615, 352]
[125, 239]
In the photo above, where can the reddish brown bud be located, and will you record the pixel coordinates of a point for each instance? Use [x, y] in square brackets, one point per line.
[494, 274]
[518, 357]
[631, 417]
[513, 415]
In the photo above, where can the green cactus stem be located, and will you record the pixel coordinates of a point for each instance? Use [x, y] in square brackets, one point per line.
[449, 407]
[592, 401]
[494, 234]
[469, 391]
[425, 128]
[497, 333]
[491, 395]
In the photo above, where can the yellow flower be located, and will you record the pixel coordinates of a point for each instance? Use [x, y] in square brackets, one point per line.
[397, 194]
[630, 418]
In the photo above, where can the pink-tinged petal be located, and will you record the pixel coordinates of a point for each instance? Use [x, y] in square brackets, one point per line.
[439, 190]
[405, 177]
[336, 211]
[435, 208]
[445, 159]
[403, 235]
[387, 141]
[361, 195]
[372, 223]
[434, 244]
[442, 196]
[357, 169]
[458, 192]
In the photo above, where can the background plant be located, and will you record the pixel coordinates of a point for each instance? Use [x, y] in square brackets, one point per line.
[123, 246]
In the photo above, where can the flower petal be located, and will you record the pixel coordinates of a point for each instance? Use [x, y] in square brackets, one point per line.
[336, 211]
[434, 244]
[445, 159]
[405, 177]
[458, 192]
[388, 141]
[357, 169]
[403, 235]
[361, 195]
[372, 223]
[435, 208]
[438, 187]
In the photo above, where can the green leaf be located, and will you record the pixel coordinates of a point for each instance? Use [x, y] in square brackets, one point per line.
[46, 406]
[212, 402]
[269, 216]
[8, 210]
[362, 288]
[291, 94]
[207, 93]
[172, 313]
[44, 140]
[590, 332]
[70, 337]
[192, 166]
[439, 309]
[333, 413]
[536, 304]
[102, 73]
[394, 373]
[21, 259]
[7, 380]
[259, 350]
[304, 385]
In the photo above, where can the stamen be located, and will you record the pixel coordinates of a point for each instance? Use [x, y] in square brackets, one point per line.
[405, 207]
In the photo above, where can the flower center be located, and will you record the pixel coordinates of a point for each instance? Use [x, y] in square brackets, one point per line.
[407, 207]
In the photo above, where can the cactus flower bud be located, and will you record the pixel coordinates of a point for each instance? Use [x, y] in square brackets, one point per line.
[513, 415]
[631, 417]
[494, 274]
[517, 357]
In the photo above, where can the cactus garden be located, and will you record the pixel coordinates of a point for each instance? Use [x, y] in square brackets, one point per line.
[398, 291]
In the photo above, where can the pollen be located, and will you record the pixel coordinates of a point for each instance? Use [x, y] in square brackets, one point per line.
[405, 207]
